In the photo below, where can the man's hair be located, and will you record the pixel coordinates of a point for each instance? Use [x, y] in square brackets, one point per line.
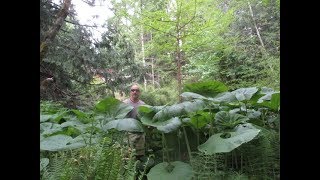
[135, 84]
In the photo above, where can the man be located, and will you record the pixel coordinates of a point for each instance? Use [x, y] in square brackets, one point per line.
[134, 101]
[136, 139]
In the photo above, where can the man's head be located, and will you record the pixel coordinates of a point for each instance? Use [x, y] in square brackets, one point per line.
[134, 92]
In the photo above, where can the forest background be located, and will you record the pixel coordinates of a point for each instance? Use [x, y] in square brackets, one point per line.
[209, 72]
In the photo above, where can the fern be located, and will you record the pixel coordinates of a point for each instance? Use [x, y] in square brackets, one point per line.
[58, 168]
[262, 155]
[207, 166]
[108, 161]
[129, 168]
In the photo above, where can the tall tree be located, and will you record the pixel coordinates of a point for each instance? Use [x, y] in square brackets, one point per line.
[52, 32]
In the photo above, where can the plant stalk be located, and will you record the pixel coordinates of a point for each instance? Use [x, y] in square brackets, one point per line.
[187, 142]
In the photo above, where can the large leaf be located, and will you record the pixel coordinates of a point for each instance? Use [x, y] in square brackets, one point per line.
[177, 171]
[43, 163]
[127, 124]
[87, 138]
[206, 88]
[225, 97]
[163, 126]
[113, 108]
[81, 116]
[60, 142]
[244, 127]
[251, 113]
[274, 103]
[122, 110]
[45, 117]
[108, 104]
[76, 124]
[148, 111]
[58, 116]
[48, 128]
[217, 144]
[178, 109]
[200, 119]
[244, 93]
[267, 94]
[229, 120]
[169, 125]
[187, 96]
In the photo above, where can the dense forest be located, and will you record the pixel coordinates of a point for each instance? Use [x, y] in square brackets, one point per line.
[209, 71]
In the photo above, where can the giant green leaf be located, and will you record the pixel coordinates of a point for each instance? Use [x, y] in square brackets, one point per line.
[206, 88]
[108, 104]
[76, 124]
[113, 108]
[274, 103]
[81, 116]
[176, 171]
[217, 144]
[45, 117]
[229, 120]
[122, 110]
[43, 163]
[59, 142]
[187, 96]
[251, 113]
[200, 119]
[48, 128]
[244, 127]
[58, 116]
[146, 111]
[169, 125]
[178, 109]
[267, 94]
[127, 124]
[244, 93]
[163, 126]
[147, 121]
[224, 97]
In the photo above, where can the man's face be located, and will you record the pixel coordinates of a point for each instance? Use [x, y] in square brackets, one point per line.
[135, 92]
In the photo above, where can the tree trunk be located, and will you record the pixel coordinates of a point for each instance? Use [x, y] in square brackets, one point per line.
[256, 27]
[178, 60]
[142, 50]
[258, 33]
[51, 33]
[152, 71]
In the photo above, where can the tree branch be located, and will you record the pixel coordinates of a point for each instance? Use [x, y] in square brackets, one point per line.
[76, 23]
[51, 34]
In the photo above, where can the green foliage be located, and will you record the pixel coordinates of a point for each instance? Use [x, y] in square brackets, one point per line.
[244, 62]
[226, 120]
[274, 103]
[200, 119]
[101, 161]
[208, 166]
[219, 144]
[108, 163]
[51, 107]
[43, 163]
[164, 126]
[180, 109]
[175, 170]
[129, 167]
[228, 134]
[206, 88]
[262, 161]
[127, 124]
[117, 55]
[60, 142]
[159, 96]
